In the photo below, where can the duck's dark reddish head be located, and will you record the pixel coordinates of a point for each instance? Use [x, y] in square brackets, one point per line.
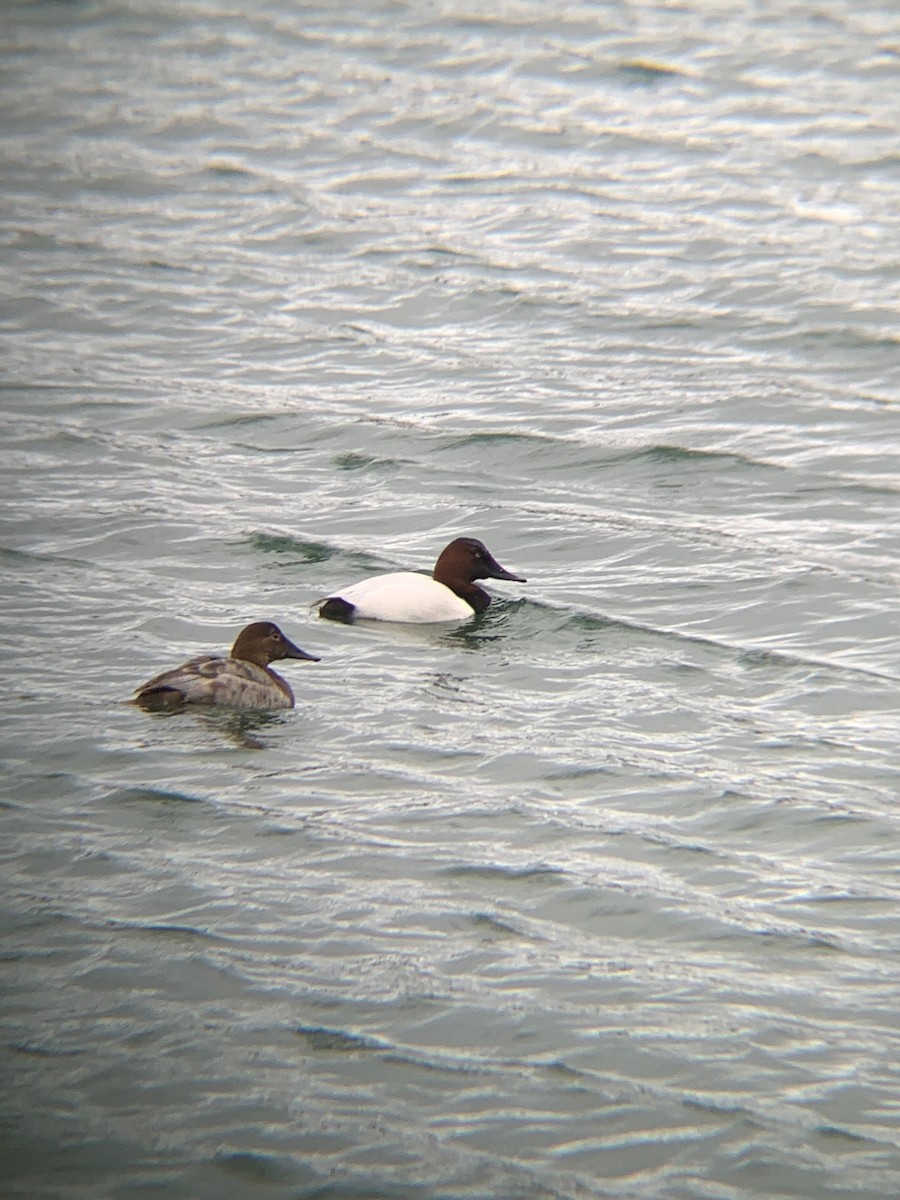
[467, 559]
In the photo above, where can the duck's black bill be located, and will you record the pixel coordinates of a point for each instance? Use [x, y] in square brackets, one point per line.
[498, 572]
[292, 651]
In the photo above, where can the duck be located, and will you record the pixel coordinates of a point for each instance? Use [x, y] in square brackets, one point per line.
[449, 594]
[243, 679]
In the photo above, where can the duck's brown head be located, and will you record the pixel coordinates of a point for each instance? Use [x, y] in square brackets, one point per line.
[263, 643]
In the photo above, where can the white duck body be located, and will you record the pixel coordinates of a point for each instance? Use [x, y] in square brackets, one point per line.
[405, 596]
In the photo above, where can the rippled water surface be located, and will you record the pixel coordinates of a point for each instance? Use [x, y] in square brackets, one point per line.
[597, 894]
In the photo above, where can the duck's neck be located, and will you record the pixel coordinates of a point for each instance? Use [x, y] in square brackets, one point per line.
[280, 683]
[467, 589]
[474, 595]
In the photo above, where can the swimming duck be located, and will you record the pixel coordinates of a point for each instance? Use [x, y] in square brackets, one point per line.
[450, 594]
[243, 680]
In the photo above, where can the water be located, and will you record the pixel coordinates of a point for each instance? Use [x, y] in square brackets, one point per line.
[595, 896]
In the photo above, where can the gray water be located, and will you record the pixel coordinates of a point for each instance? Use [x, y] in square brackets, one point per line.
[597, 894]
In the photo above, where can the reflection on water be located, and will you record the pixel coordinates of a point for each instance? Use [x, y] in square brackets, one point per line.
[243, 729]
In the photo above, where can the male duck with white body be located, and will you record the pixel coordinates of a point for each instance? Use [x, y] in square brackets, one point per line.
[449, 594]
[242, 680]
